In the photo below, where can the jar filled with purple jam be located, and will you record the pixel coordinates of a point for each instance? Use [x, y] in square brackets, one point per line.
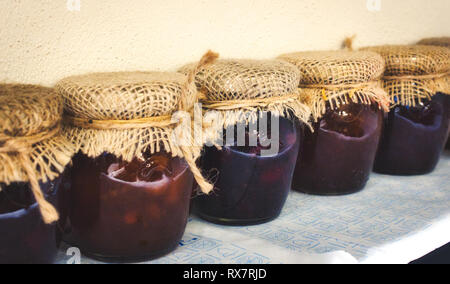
[128, 211]
[417, 126]
[447, 98]
[25, 238]
[252, 172]
[337, 158]
[443, 42]
[33, 155]
[413, 138]
[250, 187]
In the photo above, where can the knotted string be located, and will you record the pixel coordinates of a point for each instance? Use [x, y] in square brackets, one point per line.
[248, 103]
[417, 77]
[191, 152]
[23, 146]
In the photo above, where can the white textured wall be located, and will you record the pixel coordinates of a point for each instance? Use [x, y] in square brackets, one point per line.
[41, 41]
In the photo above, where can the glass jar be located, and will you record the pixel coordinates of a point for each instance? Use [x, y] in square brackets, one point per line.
[338, 157]
[448, 114]
[25, 238]
[128, 211]
[413, 138]
[250, 188]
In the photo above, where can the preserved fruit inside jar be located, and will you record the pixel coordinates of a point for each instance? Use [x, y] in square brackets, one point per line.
[413, 138]
[25, 238]
[251, 187]
[128, 211]
[338, 157]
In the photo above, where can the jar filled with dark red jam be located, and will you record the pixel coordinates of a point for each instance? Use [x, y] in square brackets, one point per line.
[413, 138]
[337, 158]
[347, 101]
[128, 210]
[131, 180]
[25, 238]
[250, 187]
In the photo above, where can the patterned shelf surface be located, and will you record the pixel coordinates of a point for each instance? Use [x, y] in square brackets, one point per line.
[393, 220]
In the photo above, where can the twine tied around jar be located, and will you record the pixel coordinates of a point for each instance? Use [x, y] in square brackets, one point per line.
[414, 72]
[162, 121]
[417, 77]
[240, 90]
[334, 78]
[281, 104]
[158, 121]
[146, 131]
[32, 149]
[23, 146]
[317, 96]
[431, 83]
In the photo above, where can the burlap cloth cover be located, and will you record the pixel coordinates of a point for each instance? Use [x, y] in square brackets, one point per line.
[239, 90]
[128, 113]
[337, 77]
[414, 72]
[436, 41]
[32, 148]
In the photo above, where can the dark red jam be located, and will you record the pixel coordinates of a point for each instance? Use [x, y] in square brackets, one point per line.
[413, 138]
[338, 157]
[128, 211]
[24, 237]
[250, 187]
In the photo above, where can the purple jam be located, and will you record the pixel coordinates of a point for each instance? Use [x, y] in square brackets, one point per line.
[413, 138]
[338, 157]
[128, 211]
[250, 188]
[448, 114]
[25, 238]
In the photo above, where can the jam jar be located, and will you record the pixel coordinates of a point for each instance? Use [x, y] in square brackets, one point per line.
[413, 138]
[128, 211]
[337, 158]
[250, 187]
[25, 238]
[448, 114]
